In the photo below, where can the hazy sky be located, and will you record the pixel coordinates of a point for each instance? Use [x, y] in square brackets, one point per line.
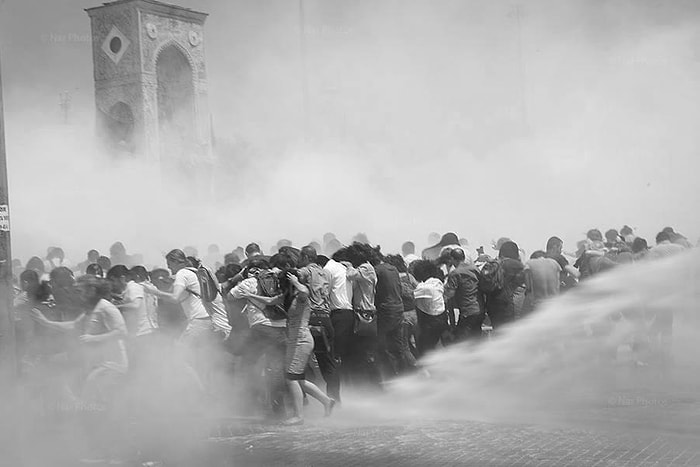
[488, 118]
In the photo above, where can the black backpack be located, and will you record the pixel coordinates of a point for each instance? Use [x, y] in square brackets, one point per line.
[491, 276]
[208, 285]
[269, 286]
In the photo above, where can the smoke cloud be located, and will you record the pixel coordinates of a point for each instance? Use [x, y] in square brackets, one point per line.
[519, 119]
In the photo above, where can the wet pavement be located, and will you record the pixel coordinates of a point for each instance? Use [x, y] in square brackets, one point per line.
[462, 443]
[631, 428]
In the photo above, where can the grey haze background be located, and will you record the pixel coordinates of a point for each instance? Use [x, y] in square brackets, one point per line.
[488, 118]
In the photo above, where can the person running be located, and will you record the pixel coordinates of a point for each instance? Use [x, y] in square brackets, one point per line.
[130, 299]
[300, 345]
[315, 278]
[390, 307]
[342, 316]
[267, 338]
[363, 277]
[197, 337]
[102, 332]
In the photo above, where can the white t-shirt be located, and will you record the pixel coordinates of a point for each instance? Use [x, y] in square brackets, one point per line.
[219, 318]
[139, 321]
[192, 305]
[429, 297]
[338, 282]
[104, 318]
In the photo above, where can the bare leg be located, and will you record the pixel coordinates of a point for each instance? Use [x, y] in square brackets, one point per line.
[313, 390]
[297, 396]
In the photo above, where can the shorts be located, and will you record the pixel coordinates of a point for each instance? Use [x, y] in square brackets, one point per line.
[299, 349]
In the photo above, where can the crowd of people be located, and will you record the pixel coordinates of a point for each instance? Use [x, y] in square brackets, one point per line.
[298, 322]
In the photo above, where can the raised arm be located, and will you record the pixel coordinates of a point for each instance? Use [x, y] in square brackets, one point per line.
[62, 326]
[176, 296]
[301, 288]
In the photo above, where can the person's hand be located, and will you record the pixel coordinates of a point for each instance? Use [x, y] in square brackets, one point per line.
[246, 294]
[89, 339]
[277, 299]
[347, 264]
[293, 279]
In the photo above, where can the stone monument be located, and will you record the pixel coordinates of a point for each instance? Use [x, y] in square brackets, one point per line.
[151, 81]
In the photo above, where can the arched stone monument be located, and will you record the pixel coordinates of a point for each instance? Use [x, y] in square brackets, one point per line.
[151, 80]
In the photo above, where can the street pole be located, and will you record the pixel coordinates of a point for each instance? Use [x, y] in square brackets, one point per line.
[9, 409]
[8, 365]
[304, 71]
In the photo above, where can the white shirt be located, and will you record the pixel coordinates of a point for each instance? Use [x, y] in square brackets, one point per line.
[139, 321]
[191, 304]
[409, 258]
[338, 282]
[105, 317]
[219, 318]
[429, 296]
[254, 314]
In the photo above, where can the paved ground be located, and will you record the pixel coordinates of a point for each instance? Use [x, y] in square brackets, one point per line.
[626, 428]
[468, 443]
[450, 443]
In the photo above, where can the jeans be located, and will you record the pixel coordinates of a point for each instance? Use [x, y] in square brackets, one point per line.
[469, 327]
[393, 347]
[501, 311]
[431, 330]
[410, 329]
[343, 325]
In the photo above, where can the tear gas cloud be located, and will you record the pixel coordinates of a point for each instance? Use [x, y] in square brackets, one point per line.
[489, 119]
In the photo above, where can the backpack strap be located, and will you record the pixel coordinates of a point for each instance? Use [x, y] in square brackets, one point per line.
[196, 271]
[193, 293]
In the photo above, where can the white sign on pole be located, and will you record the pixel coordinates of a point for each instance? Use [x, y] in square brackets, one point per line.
[4, 218]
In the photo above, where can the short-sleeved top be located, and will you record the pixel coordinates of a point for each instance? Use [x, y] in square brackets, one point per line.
[192, 305]
[364, 283]
[104, 318]
[316, 280]
[464, 280]
[429, 296]
[544, 277]
[142, 320]
[388, 296]
[254, 314]
[408, 285]
[338, 281]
